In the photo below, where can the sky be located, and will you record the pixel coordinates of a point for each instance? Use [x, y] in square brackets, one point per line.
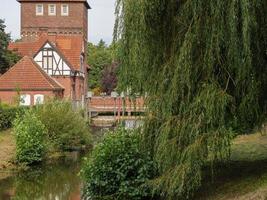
[100, 19]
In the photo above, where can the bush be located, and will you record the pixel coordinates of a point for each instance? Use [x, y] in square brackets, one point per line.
[8, 115]
[118, 168]
[30, 138]
[97, 91]
[67, 129]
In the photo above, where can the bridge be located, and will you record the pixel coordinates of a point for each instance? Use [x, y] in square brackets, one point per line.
[106, 111]
[119, 105]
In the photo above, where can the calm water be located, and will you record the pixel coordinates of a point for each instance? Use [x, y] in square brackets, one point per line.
[57, 181]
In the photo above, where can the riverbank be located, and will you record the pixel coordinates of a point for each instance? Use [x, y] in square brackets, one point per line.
[245, 177]
[7, 150]
[236, 181]
[8, 167]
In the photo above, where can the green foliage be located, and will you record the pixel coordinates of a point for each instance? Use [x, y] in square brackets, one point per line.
[100, 56]
[118, 168]
[30, 138]
[202, 66]
[67, 129]
[8, 115]
[7, 58]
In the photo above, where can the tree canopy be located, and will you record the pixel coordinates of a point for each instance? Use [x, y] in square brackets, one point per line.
[102, 59]
[7, 58]
[202, 66]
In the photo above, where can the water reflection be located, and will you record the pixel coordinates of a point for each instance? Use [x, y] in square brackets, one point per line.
[132, 124]
[57, 181]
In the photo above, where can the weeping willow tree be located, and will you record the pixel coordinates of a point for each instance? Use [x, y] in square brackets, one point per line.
[202, 65]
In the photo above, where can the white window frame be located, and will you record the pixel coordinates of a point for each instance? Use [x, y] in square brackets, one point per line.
[38, 99]
[49, 10]
[25, 100]
[37, 9]
[62, 10]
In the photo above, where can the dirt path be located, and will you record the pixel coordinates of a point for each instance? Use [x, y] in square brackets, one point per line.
[7, 149]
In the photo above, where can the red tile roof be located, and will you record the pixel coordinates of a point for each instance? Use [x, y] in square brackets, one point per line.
[70, 46]
[27, 75]
[27, 48]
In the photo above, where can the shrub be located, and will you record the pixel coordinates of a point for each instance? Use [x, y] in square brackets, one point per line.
[30, 138]
[118, 168]
[97, 91]
[67, 129]
[8, 115]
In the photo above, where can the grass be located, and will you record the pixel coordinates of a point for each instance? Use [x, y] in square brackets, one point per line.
[250, 147]
[7, 148]
[7, 153]
[236, 181]
[245, 176]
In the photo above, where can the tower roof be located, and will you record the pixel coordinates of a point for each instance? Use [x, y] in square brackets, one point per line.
[70, 1]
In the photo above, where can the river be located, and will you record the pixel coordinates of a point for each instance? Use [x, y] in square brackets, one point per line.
[55, 181]
[60, 180]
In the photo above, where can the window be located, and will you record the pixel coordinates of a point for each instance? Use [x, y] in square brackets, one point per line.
[81, 63]
[38, 99]
[25, 100]
[39, 9]
[52, 10]
[48, 61]
[65, 10]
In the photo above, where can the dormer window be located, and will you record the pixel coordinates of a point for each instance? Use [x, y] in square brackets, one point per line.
[52, 9]
[64, 9]
[39, 9]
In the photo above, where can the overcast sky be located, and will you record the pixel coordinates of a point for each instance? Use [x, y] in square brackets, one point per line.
[101, 19]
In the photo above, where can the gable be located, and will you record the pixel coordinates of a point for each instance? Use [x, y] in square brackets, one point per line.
[52, 62]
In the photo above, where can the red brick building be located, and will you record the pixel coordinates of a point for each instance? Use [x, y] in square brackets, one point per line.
[53, 49]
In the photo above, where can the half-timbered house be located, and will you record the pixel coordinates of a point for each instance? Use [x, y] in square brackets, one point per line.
[54, 38]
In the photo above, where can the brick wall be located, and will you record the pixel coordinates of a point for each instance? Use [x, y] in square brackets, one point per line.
[66, 83]
[10, 97]
[75, 23]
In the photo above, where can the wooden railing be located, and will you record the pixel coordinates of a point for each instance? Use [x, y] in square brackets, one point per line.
[109, 104]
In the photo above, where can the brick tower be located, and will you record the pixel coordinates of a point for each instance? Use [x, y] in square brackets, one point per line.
[55, 17]
[53, 46]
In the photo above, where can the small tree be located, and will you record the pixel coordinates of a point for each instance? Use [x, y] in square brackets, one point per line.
[67, 128]
[30, 138]
[109, 78]
[118, 168]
